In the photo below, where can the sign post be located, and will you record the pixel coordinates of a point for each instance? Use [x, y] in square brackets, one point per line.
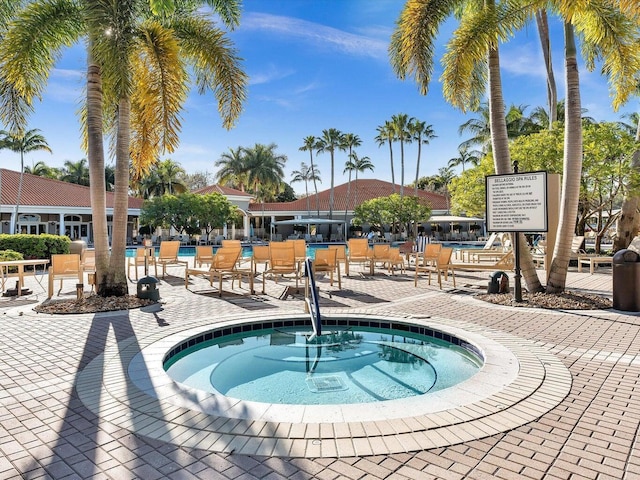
[517, 202]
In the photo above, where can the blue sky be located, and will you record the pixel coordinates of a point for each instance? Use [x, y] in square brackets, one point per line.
[315, 65]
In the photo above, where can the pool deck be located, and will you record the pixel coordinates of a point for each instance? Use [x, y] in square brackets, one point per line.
[69, 407]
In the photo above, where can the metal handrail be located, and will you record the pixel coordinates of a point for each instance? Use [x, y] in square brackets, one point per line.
[313, 303]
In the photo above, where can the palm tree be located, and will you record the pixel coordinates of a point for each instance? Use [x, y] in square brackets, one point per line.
[171, 176]
[76, 172]
[303, 175]
[552, 91]
[386, 135]
[423, 134]
[402, 134]
[233, 169]
[360, 164]
[127, 46]
[311, 144]
[41, 169]
[465, 156]
[330, 140]
[266, 171]
[29, 141]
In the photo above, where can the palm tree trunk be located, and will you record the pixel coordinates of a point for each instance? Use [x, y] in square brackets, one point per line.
[552, 91]
[315, 184]
[331, 191]
[116, 277]
[15, 217]
[97, 190]
[572, 168]
[306, 191]
[502, 158]
[393, 177]
[401, 169]
[346, 207]
[628, 220]
[415, 185]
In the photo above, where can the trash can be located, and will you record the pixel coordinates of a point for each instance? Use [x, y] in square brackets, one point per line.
[626, 280]
[148, 288]
[498, 283]
[79, 247]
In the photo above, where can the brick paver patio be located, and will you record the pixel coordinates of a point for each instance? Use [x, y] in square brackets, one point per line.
[47, 430]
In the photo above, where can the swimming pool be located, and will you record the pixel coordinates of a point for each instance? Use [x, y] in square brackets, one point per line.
[247, 250]
[349, 364]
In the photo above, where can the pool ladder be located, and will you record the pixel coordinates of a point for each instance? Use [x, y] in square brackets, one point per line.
[312, 301]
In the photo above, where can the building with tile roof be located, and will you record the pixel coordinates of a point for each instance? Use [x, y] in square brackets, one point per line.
[53, 206]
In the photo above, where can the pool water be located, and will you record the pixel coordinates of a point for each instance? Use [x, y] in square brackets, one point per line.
[342, 366]
[247, 251]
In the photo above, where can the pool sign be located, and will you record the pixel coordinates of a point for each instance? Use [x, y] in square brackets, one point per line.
[517, 202]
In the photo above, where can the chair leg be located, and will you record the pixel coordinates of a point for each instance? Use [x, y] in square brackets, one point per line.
[339, 279]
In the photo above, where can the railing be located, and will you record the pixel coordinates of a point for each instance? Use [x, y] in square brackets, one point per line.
[313, 303]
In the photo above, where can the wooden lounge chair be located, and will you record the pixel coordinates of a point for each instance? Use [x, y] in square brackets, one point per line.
[144, 256]
[441, 266]
[65, 265]
[327, 261]
[223, 266]
[394, 260]
[282, 261]
[505, 262]
[429, 256]
[260, 257]
[341, 254]
[379, 254]
[358, 252]
[168, 255]
[204, 254]
[488, 246]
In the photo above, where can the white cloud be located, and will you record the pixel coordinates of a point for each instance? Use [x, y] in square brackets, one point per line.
[272, 73]
[523, 60]
[316, 34]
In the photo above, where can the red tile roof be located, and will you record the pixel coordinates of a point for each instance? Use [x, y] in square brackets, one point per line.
[221, 189]
[46, 192]
[367, 189]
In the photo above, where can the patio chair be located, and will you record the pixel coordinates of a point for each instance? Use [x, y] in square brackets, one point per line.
[260, 257]
[300, 249]
[282, 261]
[395, 259]
[442, 266]
[327, 261]
[144, 256]
[64, 265]
[379, 254]
[358, 252]
[223, 266]
[204, 254]
[168, 255]
[341, 254]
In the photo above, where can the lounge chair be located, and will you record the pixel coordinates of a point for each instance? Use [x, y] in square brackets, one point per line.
[341, 254]
[488, 246]
[144, 257]
[204, 254]
[429, 256]
[223, 266]
[300, 249]
[395, 259]
[358, 252]
[282, 261]
[65, 265]
[168, 255]
[505, 262]
[379, 254]
[441, 266]
[327, 261]
[260, 257]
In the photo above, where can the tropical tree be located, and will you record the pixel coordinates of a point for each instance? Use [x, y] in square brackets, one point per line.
[465, 156]
[303, 175]
[233, 169]
[422, 134]
[41, 169]
[330, 141]
[266, 171]
[386, 135]
[23, 142]
[310, 144]
[360, 165]
[137, 77]
[401, 131]
[171, 175]
[76, 172]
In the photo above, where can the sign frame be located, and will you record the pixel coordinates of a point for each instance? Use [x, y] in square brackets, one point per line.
[517, 202]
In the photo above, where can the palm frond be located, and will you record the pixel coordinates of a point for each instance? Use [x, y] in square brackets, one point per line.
[215, 64]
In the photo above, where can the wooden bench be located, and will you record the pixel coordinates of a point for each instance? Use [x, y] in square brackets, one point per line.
[593, 261]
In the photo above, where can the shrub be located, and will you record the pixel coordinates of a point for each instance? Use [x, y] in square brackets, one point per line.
[35, 246]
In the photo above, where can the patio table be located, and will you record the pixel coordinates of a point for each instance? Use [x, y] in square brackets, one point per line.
[20, 264]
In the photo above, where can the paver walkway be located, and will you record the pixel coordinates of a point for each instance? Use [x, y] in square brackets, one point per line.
[46, 431]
